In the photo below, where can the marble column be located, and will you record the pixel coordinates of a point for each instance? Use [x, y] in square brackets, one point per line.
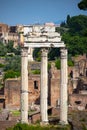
[24, 85]
[30, 54]
[44, 86]
[63, 87]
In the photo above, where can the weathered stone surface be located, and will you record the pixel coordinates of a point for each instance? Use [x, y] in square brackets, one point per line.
[12, 93]
[63, 88]
[77, 100]
[44, 86]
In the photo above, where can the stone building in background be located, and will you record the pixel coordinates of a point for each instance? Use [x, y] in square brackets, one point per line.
[4, 29]
[8, 33]
[13, 35]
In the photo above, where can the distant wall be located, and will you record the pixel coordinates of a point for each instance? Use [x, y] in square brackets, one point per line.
[12, 92]
[13, 87]
[78, 101]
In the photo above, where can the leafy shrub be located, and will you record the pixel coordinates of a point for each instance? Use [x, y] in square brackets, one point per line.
[36, 71]
[11, 74]
[20, 126]
[12, 63]
[1, 65]
[70, 63]
[38, 59]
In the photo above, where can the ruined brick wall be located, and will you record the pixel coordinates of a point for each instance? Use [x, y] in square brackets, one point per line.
[2, 103]
[54, 86]
[78, 100]
[3, 28]
[6, 124]
[34, 89]
[13, 37]
[80, 63]
[12, 92]
[12, 89]
[36, 117]
[78, 58]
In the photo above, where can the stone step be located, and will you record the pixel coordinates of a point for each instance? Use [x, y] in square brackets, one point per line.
[4, 115]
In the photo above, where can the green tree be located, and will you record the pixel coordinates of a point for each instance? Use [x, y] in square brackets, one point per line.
[13, 63]
[9, 46]
[83, 5]
[17, 50]
[68, 19]
[76, 44]
[63, 24]
[77, 24]
[53, 53]
[3, 49]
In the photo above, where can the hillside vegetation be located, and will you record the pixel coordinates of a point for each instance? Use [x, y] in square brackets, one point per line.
[12, 59]
[76, 36]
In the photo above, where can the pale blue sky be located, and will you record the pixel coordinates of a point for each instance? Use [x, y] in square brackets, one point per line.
[14, 12]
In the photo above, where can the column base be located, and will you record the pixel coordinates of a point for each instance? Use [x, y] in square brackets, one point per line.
[63, 122]
[23, 122]
[44, 123]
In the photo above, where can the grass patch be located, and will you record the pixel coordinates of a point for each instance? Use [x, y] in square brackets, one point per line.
[20, 126]
[31, 111]
[15, 113]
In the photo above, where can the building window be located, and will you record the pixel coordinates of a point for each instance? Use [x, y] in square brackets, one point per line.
[35, 84]
[77, 102]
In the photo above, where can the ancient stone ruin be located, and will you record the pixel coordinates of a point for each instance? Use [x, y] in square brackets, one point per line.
[47, 89]
[42, 37]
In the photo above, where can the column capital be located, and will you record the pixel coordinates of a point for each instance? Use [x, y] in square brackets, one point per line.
[24, 52]
[63, 53]
[44, 52]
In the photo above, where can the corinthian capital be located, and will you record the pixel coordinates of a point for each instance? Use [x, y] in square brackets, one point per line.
[44, 52]
[24, 52]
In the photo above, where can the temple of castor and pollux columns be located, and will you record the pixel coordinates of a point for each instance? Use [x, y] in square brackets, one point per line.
[43, 37]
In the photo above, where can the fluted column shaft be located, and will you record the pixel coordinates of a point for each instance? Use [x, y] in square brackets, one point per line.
[44, 86]
[63, 87]
[24, 85]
